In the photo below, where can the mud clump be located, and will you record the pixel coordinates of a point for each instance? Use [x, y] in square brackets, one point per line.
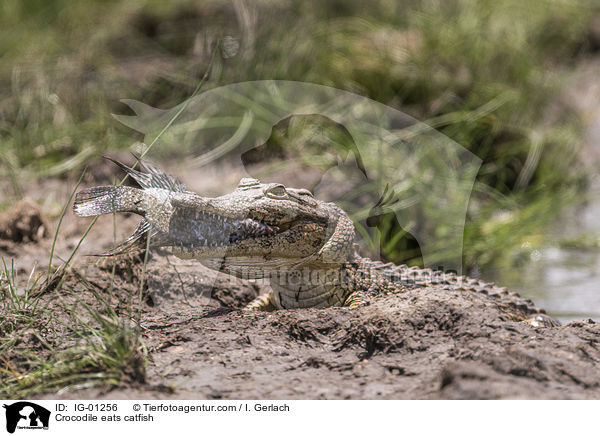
[24, 222]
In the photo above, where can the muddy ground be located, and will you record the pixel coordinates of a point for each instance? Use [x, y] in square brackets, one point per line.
[422, 344]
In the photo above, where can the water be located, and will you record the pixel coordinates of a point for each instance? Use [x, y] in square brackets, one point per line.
[564, 281]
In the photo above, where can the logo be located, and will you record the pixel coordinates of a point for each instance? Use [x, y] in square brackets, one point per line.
[26, 415]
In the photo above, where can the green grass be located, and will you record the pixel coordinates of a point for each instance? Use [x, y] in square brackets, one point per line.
[50, 348]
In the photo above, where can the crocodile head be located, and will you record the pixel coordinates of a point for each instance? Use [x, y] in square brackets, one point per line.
[258, 227]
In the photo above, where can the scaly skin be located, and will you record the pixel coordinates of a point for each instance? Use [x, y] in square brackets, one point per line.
[303, 245]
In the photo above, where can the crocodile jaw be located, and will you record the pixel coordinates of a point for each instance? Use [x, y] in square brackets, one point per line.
[244, 244]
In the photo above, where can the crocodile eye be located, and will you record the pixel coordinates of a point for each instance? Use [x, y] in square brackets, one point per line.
[305, 192]
[277, 191]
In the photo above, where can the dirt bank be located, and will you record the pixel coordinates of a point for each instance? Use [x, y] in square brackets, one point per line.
[422, 344]
[425, 343]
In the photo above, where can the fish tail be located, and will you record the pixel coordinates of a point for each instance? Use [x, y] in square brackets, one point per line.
[108, 199]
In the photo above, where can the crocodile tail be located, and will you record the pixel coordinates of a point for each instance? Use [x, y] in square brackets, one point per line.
[108, 199]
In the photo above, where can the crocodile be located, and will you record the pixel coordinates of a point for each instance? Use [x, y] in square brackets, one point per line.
[304, 246]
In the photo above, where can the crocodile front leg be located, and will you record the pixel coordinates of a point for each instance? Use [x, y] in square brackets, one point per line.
[263, 303]
[357, 299]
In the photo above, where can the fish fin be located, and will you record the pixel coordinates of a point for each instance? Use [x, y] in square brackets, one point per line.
[160, 179]
[152, 177]
[142, 179]
[138, 240]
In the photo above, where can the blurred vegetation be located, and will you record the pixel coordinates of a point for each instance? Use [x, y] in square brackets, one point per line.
[485, 73]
